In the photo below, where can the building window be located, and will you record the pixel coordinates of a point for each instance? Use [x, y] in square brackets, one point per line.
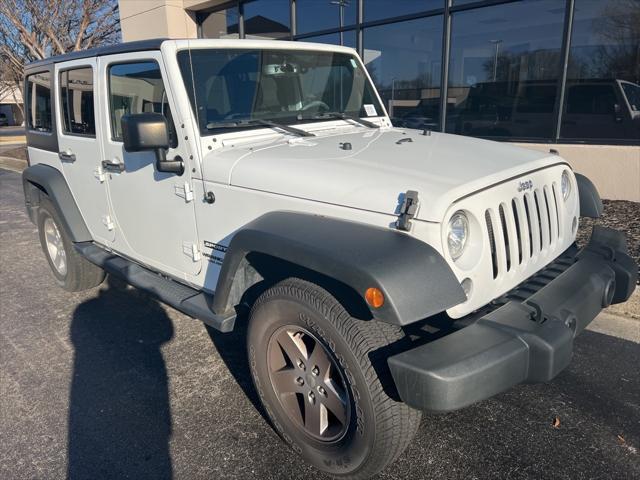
[348, 38]
[39, 102]
[504, 68]
[602, 95]
[267, 19]
[220, 24]
[381, 9]
[76, 99]
[316, 15]
[137, 88]
[404, 60]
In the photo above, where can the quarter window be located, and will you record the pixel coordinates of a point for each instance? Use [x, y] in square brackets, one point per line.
[39, 102]
[76, 98]
[137, 88]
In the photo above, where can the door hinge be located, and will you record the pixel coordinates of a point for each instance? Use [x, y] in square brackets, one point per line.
[184, 191]
[106, 220]
[99, 174]
[407, 210]
[190, 249]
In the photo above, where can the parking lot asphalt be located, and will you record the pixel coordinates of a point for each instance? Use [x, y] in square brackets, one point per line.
[109, 383]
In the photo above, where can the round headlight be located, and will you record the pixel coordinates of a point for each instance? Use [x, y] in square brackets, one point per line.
[457, 234]
[565, 185]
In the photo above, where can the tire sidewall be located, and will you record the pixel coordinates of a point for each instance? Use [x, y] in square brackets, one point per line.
[352, 450]
[45, 211]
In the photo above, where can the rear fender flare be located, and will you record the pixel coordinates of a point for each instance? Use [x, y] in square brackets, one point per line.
[42, 179]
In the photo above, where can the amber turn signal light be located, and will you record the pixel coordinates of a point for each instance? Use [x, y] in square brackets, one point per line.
[374, 297]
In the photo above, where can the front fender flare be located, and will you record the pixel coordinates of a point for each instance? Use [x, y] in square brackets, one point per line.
[590, 202]
[414, 278]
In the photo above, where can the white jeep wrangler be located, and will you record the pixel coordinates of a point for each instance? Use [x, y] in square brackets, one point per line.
[382, 271]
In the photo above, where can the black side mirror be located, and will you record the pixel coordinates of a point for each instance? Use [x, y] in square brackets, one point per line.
[150, 131]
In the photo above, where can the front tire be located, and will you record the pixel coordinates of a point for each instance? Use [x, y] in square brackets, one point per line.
[71, 271]
[320, 380]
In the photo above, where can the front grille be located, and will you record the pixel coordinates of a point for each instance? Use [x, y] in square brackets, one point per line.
[523, 228]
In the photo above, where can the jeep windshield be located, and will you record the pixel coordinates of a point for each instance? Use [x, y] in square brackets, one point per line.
[632, 92]
[238, 88]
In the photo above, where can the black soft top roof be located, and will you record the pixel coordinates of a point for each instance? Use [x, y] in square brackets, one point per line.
[141, 45]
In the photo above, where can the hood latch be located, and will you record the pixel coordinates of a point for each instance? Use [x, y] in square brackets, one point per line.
[407, 210]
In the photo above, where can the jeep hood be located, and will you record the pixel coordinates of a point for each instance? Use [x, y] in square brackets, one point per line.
[379, 167]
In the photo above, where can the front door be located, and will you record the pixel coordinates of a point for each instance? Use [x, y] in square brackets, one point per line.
[80, 150]
[153, 212]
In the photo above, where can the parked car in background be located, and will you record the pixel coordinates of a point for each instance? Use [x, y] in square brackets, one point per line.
[4, 121]
[594, 109]
[424, 115]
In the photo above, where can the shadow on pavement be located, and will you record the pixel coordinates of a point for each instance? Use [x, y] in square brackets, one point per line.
[119, 412]
[232, 348]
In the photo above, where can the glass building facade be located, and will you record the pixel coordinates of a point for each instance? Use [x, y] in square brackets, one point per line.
[543, 71]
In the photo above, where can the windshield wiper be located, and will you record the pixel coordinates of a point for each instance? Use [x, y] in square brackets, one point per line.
[259, 122]
[341, 116]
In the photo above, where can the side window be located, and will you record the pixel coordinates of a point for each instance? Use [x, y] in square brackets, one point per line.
[137, 88]
[76, 98]
[39, 102]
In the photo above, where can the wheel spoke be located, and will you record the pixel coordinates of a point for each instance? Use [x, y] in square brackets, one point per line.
[284, 381]
[312, 417]
[334, 402]
[50, 237]
[293, 346]
[320, 359]
[292, 405]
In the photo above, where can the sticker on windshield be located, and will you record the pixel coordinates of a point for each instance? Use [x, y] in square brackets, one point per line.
[353, 63]
[370, 110]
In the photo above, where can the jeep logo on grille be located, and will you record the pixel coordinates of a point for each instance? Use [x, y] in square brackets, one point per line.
[526, 185]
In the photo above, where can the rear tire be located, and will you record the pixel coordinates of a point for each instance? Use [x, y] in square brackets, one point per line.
[71, 271]
[375, 428]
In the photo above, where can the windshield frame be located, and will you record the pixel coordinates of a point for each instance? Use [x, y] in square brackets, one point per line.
[634, 111]
[295, 118]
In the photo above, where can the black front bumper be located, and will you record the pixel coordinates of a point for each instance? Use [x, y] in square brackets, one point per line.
[525, 340]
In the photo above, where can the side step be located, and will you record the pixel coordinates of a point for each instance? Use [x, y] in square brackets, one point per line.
[188, 300]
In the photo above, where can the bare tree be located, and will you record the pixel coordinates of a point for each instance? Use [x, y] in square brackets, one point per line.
[35, 29]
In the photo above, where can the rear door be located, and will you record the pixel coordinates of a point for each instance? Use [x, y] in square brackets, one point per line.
[153, 212]
[80, 151]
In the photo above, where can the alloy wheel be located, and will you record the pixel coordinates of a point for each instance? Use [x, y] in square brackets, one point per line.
[308, 383]
[55, 246]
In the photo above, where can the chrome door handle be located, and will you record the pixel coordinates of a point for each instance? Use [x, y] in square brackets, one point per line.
[67, 156]
[111, 166]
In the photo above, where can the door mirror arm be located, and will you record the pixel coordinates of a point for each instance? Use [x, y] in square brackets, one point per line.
[168, 166]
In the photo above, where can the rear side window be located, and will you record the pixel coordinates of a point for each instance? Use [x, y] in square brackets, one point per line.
[137, 88]
[39, 102]
[76, 98]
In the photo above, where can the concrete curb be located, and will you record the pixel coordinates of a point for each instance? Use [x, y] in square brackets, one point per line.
[13, 139]
[616, 326]
[629, 309]
[13, 164]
